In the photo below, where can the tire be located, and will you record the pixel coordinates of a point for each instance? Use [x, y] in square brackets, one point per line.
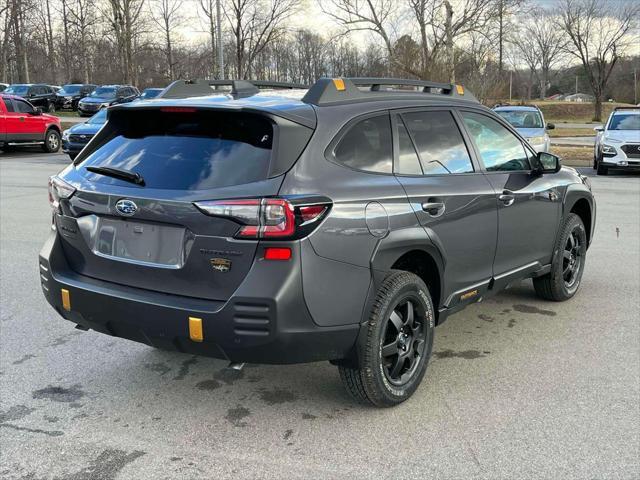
[407, 338]
[601, 169]
[52, 141]
[567, 266]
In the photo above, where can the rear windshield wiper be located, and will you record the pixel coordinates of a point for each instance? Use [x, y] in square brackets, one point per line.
[120, 173]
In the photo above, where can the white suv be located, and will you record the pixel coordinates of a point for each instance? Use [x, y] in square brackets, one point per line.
[618, 142]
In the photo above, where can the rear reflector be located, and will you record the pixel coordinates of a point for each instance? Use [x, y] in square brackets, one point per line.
[195, 329]
[273, 253]
[66, 299]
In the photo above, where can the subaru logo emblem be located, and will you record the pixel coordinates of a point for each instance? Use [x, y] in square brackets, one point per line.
[126, 207]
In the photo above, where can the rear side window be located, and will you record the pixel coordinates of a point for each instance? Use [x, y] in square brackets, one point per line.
[185, 151]
[8, 104]
[367, 145]
[439, 142]
[500, 149]
[22, 106]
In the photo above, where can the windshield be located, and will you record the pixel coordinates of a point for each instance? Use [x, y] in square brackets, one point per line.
[185, 152]
[147, 94]
[625, 121]
[99, 118]
[17, 89]
[69, 90]
[521, 118]
[104, 92]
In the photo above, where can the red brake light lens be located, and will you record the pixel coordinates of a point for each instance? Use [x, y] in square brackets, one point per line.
[309, 213]
[178, 110]
[268, 218]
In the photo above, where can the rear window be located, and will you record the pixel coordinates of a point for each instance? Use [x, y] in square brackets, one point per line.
[185, 151]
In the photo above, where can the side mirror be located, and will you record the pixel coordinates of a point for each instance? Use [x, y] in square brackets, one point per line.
[599, 129]
[36, 111]
[548, 163]
[550, 126]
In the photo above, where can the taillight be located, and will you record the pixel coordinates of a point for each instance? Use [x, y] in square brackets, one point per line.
[58, 189]
[267, 218]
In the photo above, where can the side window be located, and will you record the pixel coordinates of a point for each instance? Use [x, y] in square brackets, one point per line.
[22, 106]
[408, 161]
[9, 105]
[499, 148]
[439, 142]
[367, 146]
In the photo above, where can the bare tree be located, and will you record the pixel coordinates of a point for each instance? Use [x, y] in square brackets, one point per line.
[255, 24]
[125, 18]
[503, 11]
[441, 23]
[377, 16]
[208, 7]
[599, 35]
[166, 15]
[81, 15]
[542, 45]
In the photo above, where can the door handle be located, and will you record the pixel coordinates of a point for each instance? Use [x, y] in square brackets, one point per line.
[433, 207]
[507, 198]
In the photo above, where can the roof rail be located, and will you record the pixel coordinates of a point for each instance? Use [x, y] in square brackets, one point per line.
[637, 107]
[328, 91]
[203, 87]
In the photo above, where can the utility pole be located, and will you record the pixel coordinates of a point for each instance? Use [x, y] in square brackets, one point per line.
[576, 84]
[220, 49]
[635, 86]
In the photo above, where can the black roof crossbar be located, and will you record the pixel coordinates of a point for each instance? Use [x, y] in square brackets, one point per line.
[327, 91]
[239, 88]
[637, 107]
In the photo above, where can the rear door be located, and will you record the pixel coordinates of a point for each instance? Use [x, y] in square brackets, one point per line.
[453, 200]
[161, 240]
[528, 203]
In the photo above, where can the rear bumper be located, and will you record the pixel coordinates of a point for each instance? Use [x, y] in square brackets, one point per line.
[265, 321]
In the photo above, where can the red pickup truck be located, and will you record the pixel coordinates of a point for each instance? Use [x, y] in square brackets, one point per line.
[21, 124]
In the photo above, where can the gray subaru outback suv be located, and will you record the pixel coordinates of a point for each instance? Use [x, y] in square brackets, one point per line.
[341, 225]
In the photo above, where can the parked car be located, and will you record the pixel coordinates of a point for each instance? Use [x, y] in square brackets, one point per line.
[149, 93]
[75, 138]
[341, 226]
[69, 95]
[105, 96]
[529, 122]
[38, 95]
[22, 124]
[617, 144]
[3, 86]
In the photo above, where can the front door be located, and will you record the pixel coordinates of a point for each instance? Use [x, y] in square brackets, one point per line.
[22, 125]
[528, 202]
[452, 200]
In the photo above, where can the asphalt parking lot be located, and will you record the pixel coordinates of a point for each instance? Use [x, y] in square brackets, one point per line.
[517, 387]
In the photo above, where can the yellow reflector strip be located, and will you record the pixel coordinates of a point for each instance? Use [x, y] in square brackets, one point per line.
[195, 329]
[339, 83]
[460, 89]
[66, 299]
